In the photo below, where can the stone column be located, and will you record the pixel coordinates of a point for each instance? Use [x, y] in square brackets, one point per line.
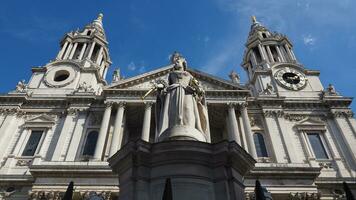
[276, 137]
[263, 55]
[103, 132]
[44, 147]
[91, 50]
[118, 133]
[146, 122]
[73, 50]
[100, 56]
[347, 130]
[60, 54]
[64, 135]
[293, 155]
[82, 51]
[105, 71]
[280, 55]
[233, 134]
[6, 132]
[77, 136]
[248, 131]
[270, 54]
[68, 51]
[243, 134]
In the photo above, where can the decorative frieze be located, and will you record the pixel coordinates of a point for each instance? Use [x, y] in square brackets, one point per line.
[272, 113]
[24, 162]
[76, 110]
[326, 165]
[86, 195]
[304, 196]
[48, 195]
[341, 114]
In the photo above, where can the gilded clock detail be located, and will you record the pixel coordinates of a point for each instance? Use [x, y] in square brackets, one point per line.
[290, 78]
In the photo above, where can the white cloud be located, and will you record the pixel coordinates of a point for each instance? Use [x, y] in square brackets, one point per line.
[139, 67]
[206, 39]
[309, 40]
[131, 66]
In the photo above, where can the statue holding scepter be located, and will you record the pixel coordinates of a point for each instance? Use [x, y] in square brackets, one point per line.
[180, 107]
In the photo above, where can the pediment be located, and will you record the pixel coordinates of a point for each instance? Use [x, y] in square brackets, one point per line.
[143, 81]
[310, 124]
[40, 121]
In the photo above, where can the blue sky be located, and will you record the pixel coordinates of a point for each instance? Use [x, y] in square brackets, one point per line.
[210, 33]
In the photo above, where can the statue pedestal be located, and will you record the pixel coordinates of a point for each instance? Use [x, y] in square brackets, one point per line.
[182, 132]
[199, 171]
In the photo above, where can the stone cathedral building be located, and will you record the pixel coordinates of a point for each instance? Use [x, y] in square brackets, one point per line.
[67, 121]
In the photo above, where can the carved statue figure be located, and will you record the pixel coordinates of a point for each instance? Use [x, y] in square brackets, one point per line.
[331, 90]
[116, 76]
[83, 87]
[21, 86]
[268, 89]
[180, 107]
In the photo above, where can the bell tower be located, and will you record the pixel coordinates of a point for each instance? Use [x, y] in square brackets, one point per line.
[81, 63]
[272, 67]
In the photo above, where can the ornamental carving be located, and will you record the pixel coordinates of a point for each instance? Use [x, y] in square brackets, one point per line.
[304, 196]
[85, 88]
[326, 165]
[264, 160]
[300, 117]
[75, 111]
[49, 195]
[86, 195]
[341, 114]
[249, 195]
[21, 87]
[272, 113]
[9, 111]
[268, 90]
[23, 162]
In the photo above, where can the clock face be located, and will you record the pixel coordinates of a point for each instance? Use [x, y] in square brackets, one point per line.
[290, 78]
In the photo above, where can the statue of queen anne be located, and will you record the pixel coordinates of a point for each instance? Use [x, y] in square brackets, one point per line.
[181, 112]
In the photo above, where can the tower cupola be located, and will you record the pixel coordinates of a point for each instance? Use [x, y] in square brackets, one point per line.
[80, 66]
[264, 48]
[87, 47]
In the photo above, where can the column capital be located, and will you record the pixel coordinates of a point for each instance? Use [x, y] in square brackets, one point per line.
[148, 104]
[232, 104]
[109, 104]
[120, 104]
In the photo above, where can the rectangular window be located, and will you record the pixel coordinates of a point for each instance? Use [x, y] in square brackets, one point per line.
[32, 143]
[317, 146]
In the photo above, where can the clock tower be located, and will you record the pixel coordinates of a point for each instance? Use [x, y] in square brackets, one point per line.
[272, 67]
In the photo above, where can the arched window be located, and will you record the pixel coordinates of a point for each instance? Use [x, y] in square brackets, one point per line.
[260, 145]
[90, 143]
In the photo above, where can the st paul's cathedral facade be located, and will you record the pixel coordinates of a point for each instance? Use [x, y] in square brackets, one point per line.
[213, 138]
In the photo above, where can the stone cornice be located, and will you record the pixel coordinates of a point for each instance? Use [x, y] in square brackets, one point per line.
[71, 169]
[284, 172]
[337, 101]
[165, 70]
[209, 94]
[343, 113]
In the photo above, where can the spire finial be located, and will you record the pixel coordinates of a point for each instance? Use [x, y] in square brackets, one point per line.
[100, 16]
[254, 20]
